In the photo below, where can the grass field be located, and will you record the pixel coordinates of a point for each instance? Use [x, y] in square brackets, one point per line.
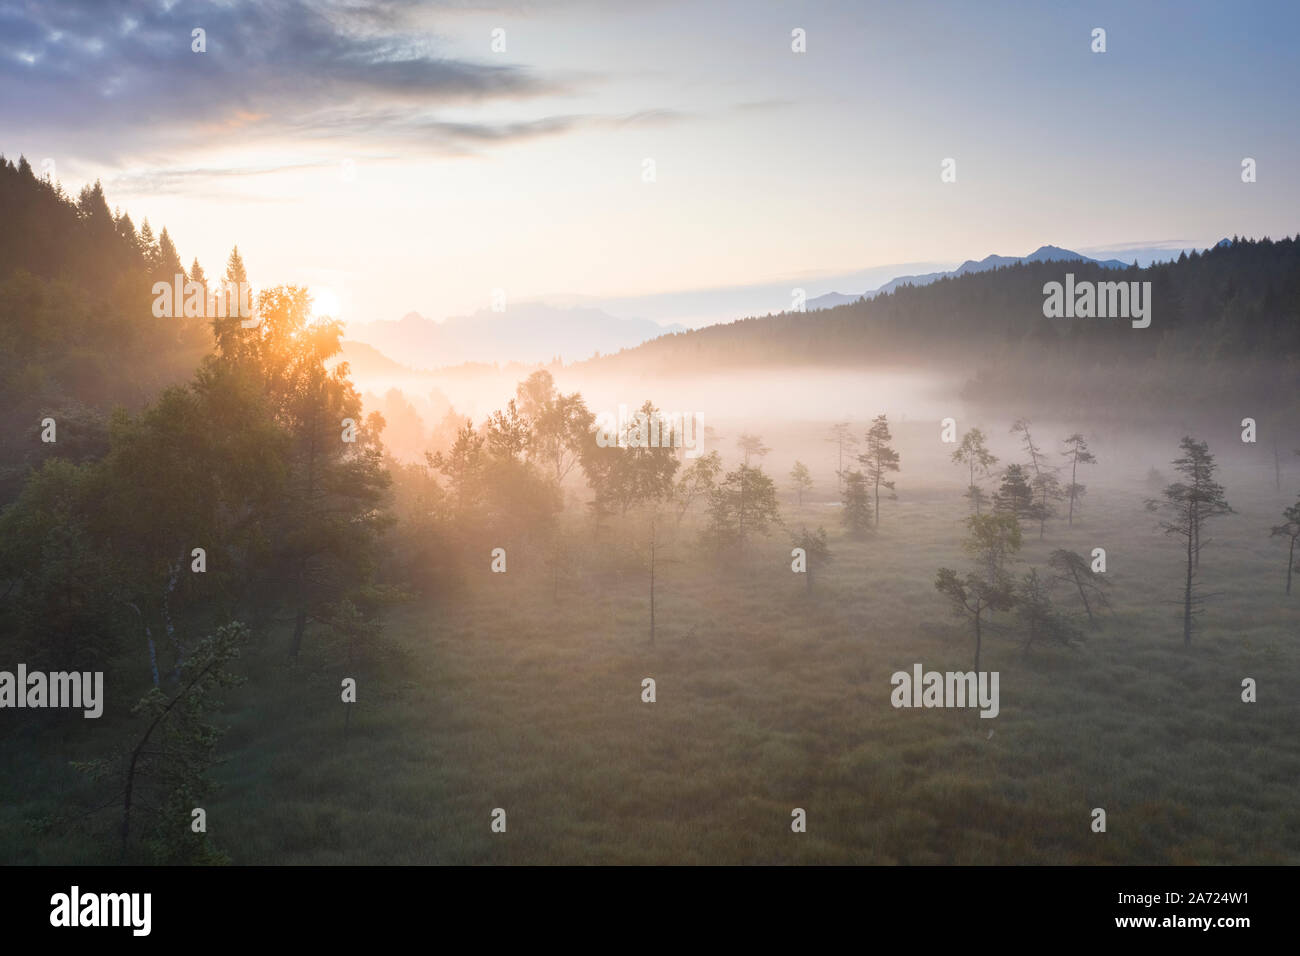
[518, 696]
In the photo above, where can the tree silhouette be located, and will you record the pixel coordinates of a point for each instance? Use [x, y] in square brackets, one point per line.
[1044, 482]
[1188, 505]
[856, 513]
[843, 439]
[992, 540]
[816, 551]
[974, 454]
[1289, 529]
[1076, 453]
[880, 459]
[801, 479]
[751, 446]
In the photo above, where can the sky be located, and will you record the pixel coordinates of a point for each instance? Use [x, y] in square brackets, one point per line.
[387, 156]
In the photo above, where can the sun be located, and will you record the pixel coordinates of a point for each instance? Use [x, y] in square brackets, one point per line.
[325, 303]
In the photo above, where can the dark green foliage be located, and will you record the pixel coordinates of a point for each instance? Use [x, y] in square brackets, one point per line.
[77, 333]
[992, 540]
[1039, 619]
[1015, 496]
[1219, 317]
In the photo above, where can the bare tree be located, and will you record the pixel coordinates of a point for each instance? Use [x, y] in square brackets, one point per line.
[844, 441]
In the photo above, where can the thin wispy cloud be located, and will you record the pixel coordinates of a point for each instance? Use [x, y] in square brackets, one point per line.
[126, 71]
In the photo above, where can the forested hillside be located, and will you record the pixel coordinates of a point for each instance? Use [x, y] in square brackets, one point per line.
[77, 334]
[153, 527]
[1231, 310]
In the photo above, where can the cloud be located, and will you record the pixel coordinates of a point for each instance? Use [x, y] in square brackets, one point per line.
[122, 72]
[174, 179]
[762, 106]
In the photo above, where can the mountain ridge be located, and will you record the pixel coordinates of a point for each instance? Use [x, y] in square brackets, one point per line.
[528, 332]
[1045, 253]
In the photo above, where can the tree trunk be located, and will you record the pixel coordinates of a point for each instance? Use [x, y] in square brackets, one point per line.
[1196, 534]
[652, 581]
[877, 496]
[1290, 562]
[1187, 597]
[1079, 584]
[978, 639]
[299, 625]
[1074, 475]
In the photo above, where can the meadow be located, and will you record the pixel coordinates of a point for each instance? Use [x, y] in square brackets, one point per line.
[522, 691]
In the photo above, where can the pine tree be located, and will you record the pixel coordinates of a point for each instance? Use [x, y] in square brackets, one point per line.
[1188, 505]
[1290, 529]
[1044, 482]
[856, 513]
[149, 248]
[974, 454]
[992, 539]
[880, 459]
[1072, 568]
[1038, 616]
[1076, 453]
[169, 260]
[751, 446]
[1015, 497]
[743, 504]
[801, 478]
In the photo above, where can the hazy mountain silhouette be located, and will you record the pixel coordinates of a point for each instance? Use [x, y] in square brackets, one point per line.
[527, 332]
[1041, 254]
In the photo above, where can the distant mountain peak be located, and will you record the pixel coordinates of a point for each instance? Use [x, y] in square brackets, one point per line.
[1041, 254]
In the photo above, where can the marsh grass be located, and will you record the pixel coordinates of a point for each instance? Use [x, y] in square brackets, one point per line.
[768, 699]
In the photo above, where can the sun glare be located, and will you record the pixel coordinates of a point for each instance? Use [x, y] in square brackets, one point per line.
[325, 304]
